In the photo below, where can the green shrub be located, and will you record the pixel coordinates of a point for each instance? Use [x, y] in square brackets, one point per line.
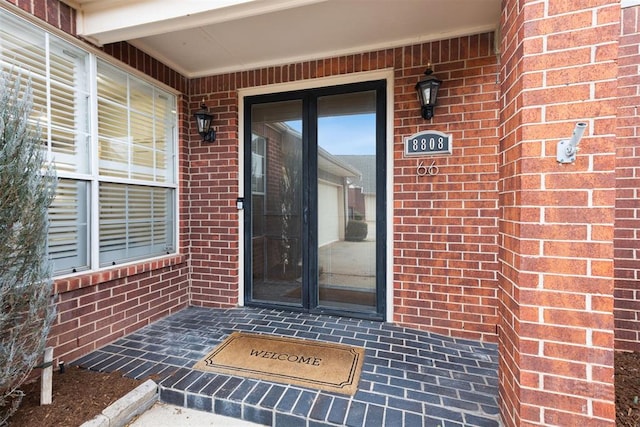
[27, 187]
[356, 231]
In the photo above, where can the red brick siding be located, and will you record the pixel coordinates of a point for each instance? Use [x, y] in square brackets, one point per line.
[556, 221]
[53, 12]
[509, 313]
[213, 174]
[627, 235]
[96, 309]
[445, 227]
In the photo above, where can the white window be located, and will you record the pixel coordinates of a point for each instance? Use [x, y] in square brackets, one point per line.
[136, 124]
[112, 138]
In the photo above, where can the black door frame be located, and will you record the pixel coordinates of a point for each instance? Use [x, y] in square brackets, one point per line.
[309, 197]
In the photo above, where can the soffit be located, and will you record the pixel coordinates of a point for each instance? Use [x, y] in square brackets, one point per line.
[204, 37]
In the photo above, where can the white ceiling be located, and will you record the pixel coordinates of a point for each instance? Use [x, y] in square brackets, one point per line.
[206, 37]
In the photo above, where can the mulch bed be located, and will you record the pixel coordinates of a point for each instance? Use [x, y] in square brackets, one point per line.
[78, 396]
[627, 379]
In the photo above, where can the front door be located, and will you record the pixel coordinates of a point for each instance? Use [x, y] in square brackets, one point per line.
[315, 211]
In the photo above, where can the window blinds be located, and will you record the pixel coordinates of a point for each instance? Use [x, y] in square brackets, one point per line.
[133, 182]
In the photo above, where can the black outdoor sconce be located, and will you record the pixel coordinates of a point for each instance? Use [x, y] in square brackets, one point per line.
[203, 121]
[428, 92]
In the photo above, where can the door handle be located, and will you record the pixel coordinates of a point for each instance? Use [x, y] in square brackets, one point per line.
[305, 215]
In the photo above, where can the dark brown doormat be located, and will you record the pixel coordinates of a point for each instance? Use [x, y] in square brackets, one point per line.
[325, 366]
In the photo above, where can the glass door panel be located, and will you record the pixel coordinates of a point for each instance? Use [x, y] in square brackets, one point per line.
[314, 167]
[346, 197]
[276, 202]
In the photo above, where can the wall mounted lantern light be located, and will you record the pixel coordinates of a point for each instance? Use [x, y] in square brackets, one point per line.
[428, 92]
[203, 121]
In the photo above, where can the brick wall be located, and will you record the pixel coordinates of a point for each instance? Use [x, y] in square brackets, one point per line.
[544, 271]
[627, 234]
[509, 342]
[94, 310]
[213, 174]
[556, 221]
[445, 226]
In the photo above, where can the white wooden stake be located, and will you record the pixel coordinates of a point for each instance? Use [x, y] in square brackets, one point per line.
[46, 388]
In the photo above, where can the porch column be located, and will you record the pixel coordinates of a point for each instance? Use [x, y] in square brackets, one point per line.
[558, 68]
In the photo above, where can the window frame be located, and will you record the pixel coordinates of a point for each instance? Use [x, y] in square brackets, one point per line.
[90, 176]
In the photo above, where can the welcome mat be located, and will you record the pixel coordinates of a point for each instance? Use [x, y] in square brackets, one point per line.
[325, 366]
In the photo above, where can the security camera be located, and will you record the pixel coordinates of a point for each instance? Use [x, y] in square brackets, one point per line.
[567, 148]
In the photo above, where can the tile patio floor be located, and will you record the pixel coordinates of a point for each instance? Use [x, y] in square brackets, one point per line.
[410, 377]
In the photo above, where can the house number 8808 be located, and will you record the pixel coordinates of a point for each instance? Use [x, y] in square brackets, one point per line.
[422, 144]
[427, 143]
